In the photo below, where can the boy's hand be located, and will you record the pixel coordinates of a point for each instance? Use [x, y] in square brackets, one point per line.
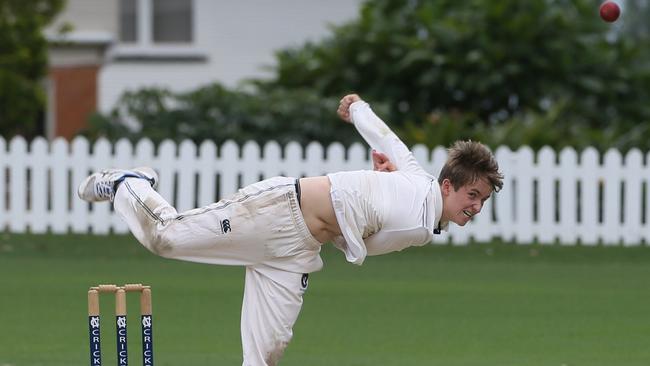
[381, 163]
[344, 106]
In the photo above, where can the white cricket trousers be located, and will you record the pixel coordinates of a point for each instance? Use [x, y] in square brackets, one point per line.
[260, 227]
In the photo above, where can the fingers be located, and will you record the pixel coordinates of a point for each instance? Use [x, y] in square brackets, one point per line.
[350, 98]
[376, 161]
[344, 112]
[381, 163]
[383, 167]
[379, 157]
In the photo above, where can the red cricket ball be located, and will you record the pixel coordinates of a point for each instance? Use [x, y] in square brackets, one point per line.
[609, 11]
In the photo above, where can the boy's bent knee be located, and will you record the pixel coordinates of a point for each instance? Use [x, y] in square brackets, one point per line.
[276, 349]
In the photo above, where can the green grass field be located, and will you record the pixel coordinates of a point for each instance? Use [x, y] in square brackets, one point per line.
[484, 304]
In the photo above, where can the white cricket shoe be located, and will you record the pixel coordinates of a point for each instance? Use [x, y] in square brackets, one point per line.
[101, 186]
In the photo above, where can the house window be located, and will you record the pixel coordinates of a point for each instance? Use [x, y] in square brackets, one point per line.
[150, 22]
[172, 21]
[128, 21]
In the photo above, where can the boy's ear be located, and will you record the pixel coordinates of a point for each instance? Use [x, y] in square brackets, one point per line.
[445, 187]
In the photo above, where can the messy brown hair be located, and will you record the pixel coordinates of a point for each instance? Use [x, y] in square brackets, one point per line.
[468, 162]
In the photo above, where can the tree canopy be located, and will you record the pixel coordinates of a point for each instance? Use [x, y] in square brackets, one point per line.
[23, 63]
[481, 63]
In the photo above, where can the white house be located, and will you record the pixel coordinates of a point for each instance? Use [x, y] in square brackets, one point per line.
[119, 45]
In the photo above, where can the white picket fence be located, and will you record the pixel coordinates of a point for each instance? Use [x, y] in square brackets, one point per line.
[565, 198]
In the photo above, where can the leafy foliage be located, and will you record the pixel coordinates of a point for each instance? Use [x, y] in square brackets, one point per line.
[635, 15]
[535, 72]
[216, 113]
[481, 63]
[23, 62]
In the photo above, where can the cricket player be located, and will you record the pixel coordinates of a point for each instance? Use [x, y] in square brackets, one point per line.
[276, 227]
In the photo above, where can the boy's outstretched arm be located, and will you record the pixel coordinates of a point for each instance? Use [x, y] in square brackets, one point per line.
[376, 133]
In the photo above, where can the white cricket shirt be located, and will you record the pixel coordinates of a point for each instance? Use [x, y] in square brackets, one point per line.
[383, 212]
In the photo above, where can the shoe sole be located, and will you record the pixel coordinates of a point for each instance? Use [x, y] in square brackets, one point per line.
[82, 187]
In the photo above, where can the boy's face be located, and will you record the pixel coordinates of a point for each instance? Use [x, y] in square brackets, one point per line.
[459, 206]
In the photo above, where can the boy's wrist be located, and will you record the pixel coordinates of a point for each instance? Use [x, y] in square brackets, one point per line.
[357, 106]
